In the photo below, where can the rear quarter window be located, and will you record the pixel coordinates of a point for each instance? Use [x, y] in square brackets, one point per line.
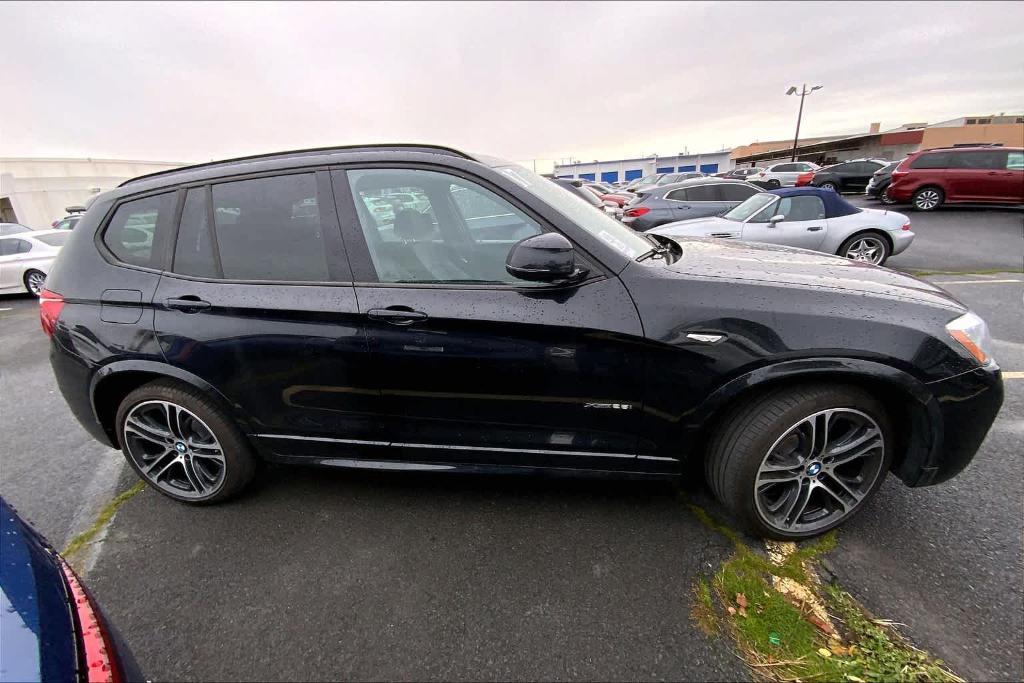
[135, 233]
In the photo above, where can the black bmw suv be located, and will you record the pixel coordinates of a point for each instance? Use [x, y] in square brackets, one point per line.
[414, 308]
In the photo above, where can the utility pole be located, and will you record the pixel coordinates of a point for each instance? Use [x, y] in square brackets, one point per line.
[804, 92]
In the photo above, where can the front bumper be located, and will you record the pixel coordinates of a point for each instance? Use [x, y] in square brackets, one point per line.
[961, 413]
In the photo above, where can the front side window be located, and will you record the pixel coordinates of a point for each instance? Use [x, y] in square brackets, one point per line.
[431, 227]
[265, 229]
[132, 233]
[799, 208]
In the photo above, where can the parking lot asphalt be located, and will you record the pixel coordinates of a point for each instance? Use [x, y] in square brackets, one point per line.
[361, 575]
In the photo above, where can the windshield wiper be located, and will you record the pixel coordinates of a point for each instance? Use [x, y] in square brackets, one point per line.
[658, 251]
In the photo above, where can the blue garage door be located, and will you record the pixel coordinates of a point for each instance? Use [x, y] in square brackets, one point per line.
[663, 169]
[634, 174]
[587, 176]
[610, 177]
[709, 168]
[684, 169]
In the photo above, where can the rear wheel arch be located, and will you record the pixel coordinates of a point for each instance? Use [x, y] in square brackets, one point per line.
[878, 232]
[112, 383]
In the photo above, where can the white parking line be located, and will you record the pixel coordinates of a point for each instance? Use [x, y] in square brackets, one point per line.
[1013, 375]
[6, 309]
[976, 282]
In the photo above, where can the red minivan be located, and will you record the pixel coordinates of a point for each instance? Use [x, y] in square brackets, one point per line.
[984, 174]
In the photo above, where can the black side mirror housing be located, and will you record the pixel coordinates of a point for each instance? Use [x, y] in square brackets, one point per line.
[548, 257]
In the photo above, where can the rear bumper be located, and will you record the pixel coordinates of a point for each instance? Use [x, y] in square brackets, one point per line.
[901, 239]
[901, 191]
[962, 411]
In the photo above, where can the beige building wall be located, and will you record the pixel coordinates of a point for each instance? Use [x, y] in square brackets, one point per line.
[1009, 134]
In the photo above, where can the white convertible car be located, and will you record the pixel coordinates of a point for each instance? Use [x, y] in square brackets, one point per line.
[26, 257]
[806, 217]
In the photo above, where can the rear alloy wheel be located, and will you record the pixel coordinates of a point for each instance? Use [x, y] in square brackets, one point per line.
[182, 444]
[801, 461]
[866, 247]
[774, 184]
[928, 199]
[829, 186]
[34, 282]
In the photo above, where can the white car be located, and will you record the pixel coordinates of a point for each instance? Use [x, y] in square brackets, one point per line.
[782, 174]
[26, 257]
[809, 218]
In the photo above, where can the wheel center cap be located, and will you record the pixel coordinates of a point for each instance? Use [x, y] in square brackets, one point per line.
[813, 469]
[180, 447]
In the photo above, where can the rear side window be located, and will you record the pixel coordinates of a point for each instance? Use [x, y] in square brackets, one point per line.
[979, 160]
[677, 195]
[736, 193]
[14, 246]
[936, 160]
[703, 193]
[267, 229]
[132, 234]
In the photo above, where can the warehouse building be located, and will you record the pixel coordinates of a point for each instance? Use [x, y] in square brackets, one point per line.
[631, 169]
[36, 192]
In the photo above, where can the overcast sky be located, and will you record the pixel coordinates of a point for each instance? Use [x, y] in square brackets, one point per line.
[520, 80]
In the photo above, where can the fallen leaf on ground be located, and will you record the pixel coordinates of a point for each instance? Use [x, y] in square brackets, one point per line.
[732, 610]
[823, 652]
[741, 599]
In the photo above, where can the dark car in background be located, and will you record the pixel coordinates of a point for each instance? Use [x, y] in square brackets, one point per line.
[848, 176]
[878, 186]
[977, 175]
[694, 198]
[741, 173]
[548, 339]
[51, 628]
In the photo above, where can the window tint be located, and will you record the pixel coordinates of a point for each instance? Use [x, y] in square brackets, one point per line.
[1015, 161]
[15, 246]
[193, 253]
[979, 160]
[132, 233]
[677, 195]
[703, 193]
[54, 239]
[935, 160]
[269, 229]
[453, 230]
[801, 208]
[13, 228]
[783, 168]
[736, 193]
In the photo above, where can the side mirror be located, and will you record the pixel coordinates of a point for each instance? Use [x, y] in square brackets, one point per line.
[548, 257]
[776, 219]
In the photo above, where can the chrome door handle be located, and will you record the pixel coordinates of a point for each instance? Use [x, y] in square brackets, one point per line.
[187, 304]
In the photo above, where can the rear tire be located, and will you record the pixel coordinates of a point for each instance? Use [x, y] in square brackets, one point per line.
[928, 199]
[774, 184]
[829, 186]
[755, 458]
[885, 198]
[34, 281]
[867, 247]
[183, 444]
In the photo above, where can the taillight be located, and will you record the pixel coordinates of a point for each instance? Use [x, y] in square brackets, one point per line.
[637, 211]
[906, 226]
[50, 306]
[98, 646]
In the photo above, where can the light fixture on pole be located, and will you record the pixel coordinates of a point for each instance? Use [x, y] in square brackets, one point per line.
[802, 93]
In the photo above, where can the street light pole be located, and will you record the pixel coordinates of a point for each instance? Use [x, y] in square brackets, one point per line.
[804, 92]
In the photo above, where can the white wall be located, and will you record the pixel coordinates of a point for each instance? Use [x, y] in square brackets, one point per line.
[40, 189]
[647, 166]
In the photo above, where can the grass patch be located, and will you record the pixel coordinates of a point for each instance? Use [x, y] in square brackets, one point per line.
[776, 633]
[84, 538]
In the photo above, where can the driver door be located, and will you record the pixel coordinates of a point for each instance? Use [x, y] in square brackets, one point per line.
[473, 365]
[803, 223]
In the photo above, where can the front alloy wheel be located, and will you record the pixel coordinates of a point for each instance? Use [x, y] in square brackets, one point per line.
[819, 471]
[174, 450]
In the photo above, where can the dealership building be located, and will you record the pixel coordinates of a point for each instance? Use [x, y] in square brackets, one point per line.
[631, 169]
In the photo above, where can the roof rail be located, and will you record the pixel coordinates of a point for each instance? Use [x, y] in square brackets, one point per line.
[437, 149]
[961, 145]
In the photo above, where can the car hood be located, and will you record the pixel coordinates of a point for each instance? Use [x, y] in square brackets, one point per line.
[700, 227]
[736, 260]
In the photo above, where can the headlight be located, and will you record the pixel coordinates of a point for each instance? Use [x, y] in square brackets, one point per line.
[972, 333]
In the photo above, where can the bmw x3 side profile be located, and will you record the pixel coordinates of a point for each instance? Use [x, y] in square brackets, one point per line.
[211, 317]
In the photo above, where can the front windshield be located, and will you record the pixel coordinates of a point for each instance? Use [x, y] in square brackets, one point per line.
[599, 224]
[752, 205]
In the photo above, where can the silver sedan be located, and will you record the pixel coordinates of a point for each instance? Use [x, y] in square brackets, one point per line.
[809, 218]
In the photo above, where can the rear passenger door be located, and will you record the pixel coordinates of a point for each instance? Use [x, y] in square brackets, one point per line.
[977, 175]
[701, 201]
[258, 302]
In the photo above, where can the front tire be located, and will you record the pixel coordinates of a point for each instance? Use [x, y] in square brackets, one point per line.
[928, 199]
[799, 461]
[885, 198]
[866, 247]
[183, 444]
[34, 281]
